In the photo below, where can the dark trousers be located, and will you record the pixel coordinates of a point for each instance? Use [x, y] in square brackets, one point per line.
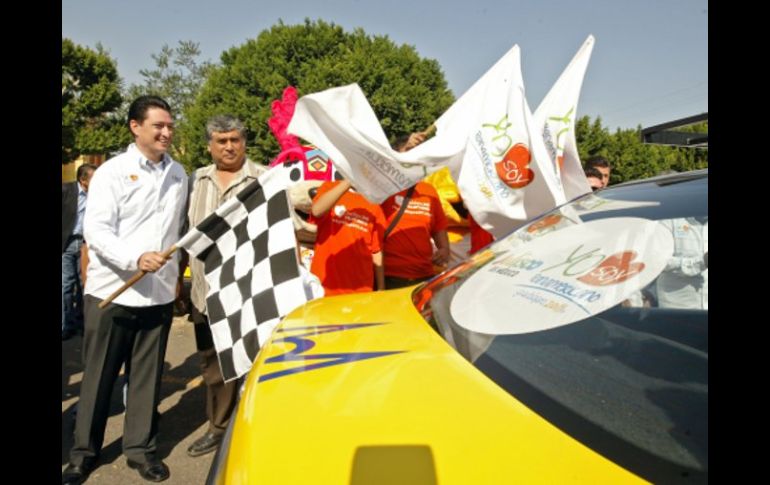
[113, 335]
[221, 396]
[71, 286]
[392, 282]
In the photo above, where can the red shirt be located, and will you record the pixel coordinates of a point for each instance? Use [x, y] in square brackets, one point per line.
[408, 250]
[479, 236]
[347, 237]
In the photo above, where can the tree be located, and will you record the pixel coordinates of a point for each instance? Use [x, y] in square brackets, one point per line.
[178, 75]
[592, 138]
[177, 78]
[406, 92]
[630, 158]
[90, 93]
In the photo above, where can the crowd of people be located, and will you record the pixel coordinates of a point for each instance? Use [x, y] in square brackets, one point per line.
[141, 202]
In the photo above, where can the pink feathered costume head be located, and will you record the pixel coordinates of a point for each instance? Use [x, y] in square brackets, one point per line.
[316, 165]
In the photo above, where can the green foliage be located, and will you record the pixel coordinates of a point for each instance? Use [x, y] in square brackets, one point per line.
[629, 157]
[177, 78]
[406, 92]
[702, 127]
[90, 93]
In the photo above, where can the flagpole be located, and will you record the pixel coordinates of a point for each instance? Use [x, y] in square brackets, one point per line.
[136, 277]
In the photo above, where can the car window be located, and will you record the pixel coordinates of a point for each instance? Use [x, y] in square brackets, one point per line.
[596, 317]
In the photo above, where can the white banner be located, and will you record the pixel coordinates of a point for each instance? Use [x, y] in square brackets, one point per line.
[562, 277]
[556, 118]
[505, 177]
[488, 138]
[341, 122]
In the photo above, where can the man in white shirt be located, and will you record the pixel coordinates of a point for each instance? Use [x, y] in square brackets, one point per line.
[684, 282]
[135, 210]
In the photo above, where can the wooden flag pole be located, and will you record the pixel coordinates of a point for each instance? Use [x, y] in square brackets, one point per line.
[136, 277]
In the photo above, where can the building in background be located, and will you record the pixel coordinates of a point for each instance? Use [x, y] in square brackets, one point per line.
[68, 170]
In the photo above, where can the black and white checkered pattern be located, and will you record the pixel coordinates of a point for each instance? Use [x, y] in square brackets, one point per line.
[248, 248]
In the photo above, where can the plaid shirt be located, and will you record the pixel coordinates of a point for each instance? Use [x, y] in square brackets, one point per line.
[205, 196]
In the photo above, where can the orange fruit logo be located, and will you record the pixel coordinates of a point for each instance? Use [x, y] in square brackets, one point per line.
[514, 169]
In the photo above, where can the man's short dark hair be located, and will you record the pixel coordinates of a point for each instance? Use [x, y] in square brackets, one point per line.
[597, 161]
[592, 172]
[84, 169]
[139, 107]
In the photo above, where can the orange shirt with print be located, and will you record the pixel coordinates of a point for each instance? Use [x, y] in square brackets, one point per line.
[408, 249]
[347, 237]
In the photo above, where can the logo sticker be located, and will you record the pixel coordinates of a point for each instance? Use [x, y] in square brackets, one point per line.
[514, 169]
[302, 340]
[562, 276]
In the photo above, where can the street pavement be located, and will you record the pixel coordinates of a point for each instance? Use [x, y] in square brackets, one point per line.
[182, 409]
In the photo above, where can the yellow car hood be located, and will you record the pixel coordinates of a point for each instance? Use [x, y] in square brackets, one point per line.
[358, 389]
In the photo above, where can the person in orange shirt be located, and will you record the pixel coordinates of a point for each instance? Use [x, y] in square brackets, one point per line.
[408, 250]
[348, 248]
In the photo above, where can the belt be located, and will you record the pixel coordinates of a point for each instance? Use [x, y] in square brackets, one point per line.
[76, 236]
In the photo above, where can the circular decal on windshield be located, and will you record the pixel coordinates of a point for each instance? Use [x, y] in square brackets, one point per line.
[562, 277]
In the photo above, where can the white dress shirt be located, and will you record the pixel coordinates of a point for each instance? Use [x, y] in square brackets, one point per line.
[684, 282]
[134, 206]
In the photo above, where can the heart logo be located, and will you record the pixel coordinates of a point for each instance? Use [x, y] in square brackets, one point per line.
[615, 269]
[514, 169]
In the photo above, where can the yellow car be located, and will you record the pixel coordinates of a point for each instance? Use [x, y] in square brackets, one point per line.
[573, 350]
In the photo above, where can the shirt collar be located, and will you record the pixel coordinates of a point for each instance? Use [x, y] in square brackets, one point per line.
[248, 170]
[145, 162]
[80, 190]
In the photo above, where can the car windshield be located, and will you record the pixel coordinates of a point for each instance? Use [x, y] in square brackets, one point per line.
[595, 316]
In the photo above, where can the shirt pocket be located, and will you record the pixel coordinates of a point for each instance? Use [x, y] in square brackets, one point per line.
[133, 195]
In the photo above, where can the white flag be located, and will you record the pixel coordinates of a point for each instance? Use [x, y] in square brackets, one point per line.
[556, 118]
[505, 178]
[488, 138]
[341, 122]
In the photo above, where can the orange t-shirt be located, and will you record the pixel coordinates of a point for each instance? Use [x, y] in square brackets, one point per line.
[408, 250]
[347, 237]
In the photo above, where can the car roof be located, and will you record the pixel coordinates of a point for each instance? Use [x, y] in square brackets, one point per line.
[668, 178]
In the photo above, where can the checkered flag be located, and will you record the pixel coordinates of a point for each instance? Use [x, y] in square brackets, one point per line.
[248, 249]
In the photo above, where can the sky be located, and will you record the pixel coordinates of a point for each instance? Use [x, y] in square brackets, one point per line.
[649, 63]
